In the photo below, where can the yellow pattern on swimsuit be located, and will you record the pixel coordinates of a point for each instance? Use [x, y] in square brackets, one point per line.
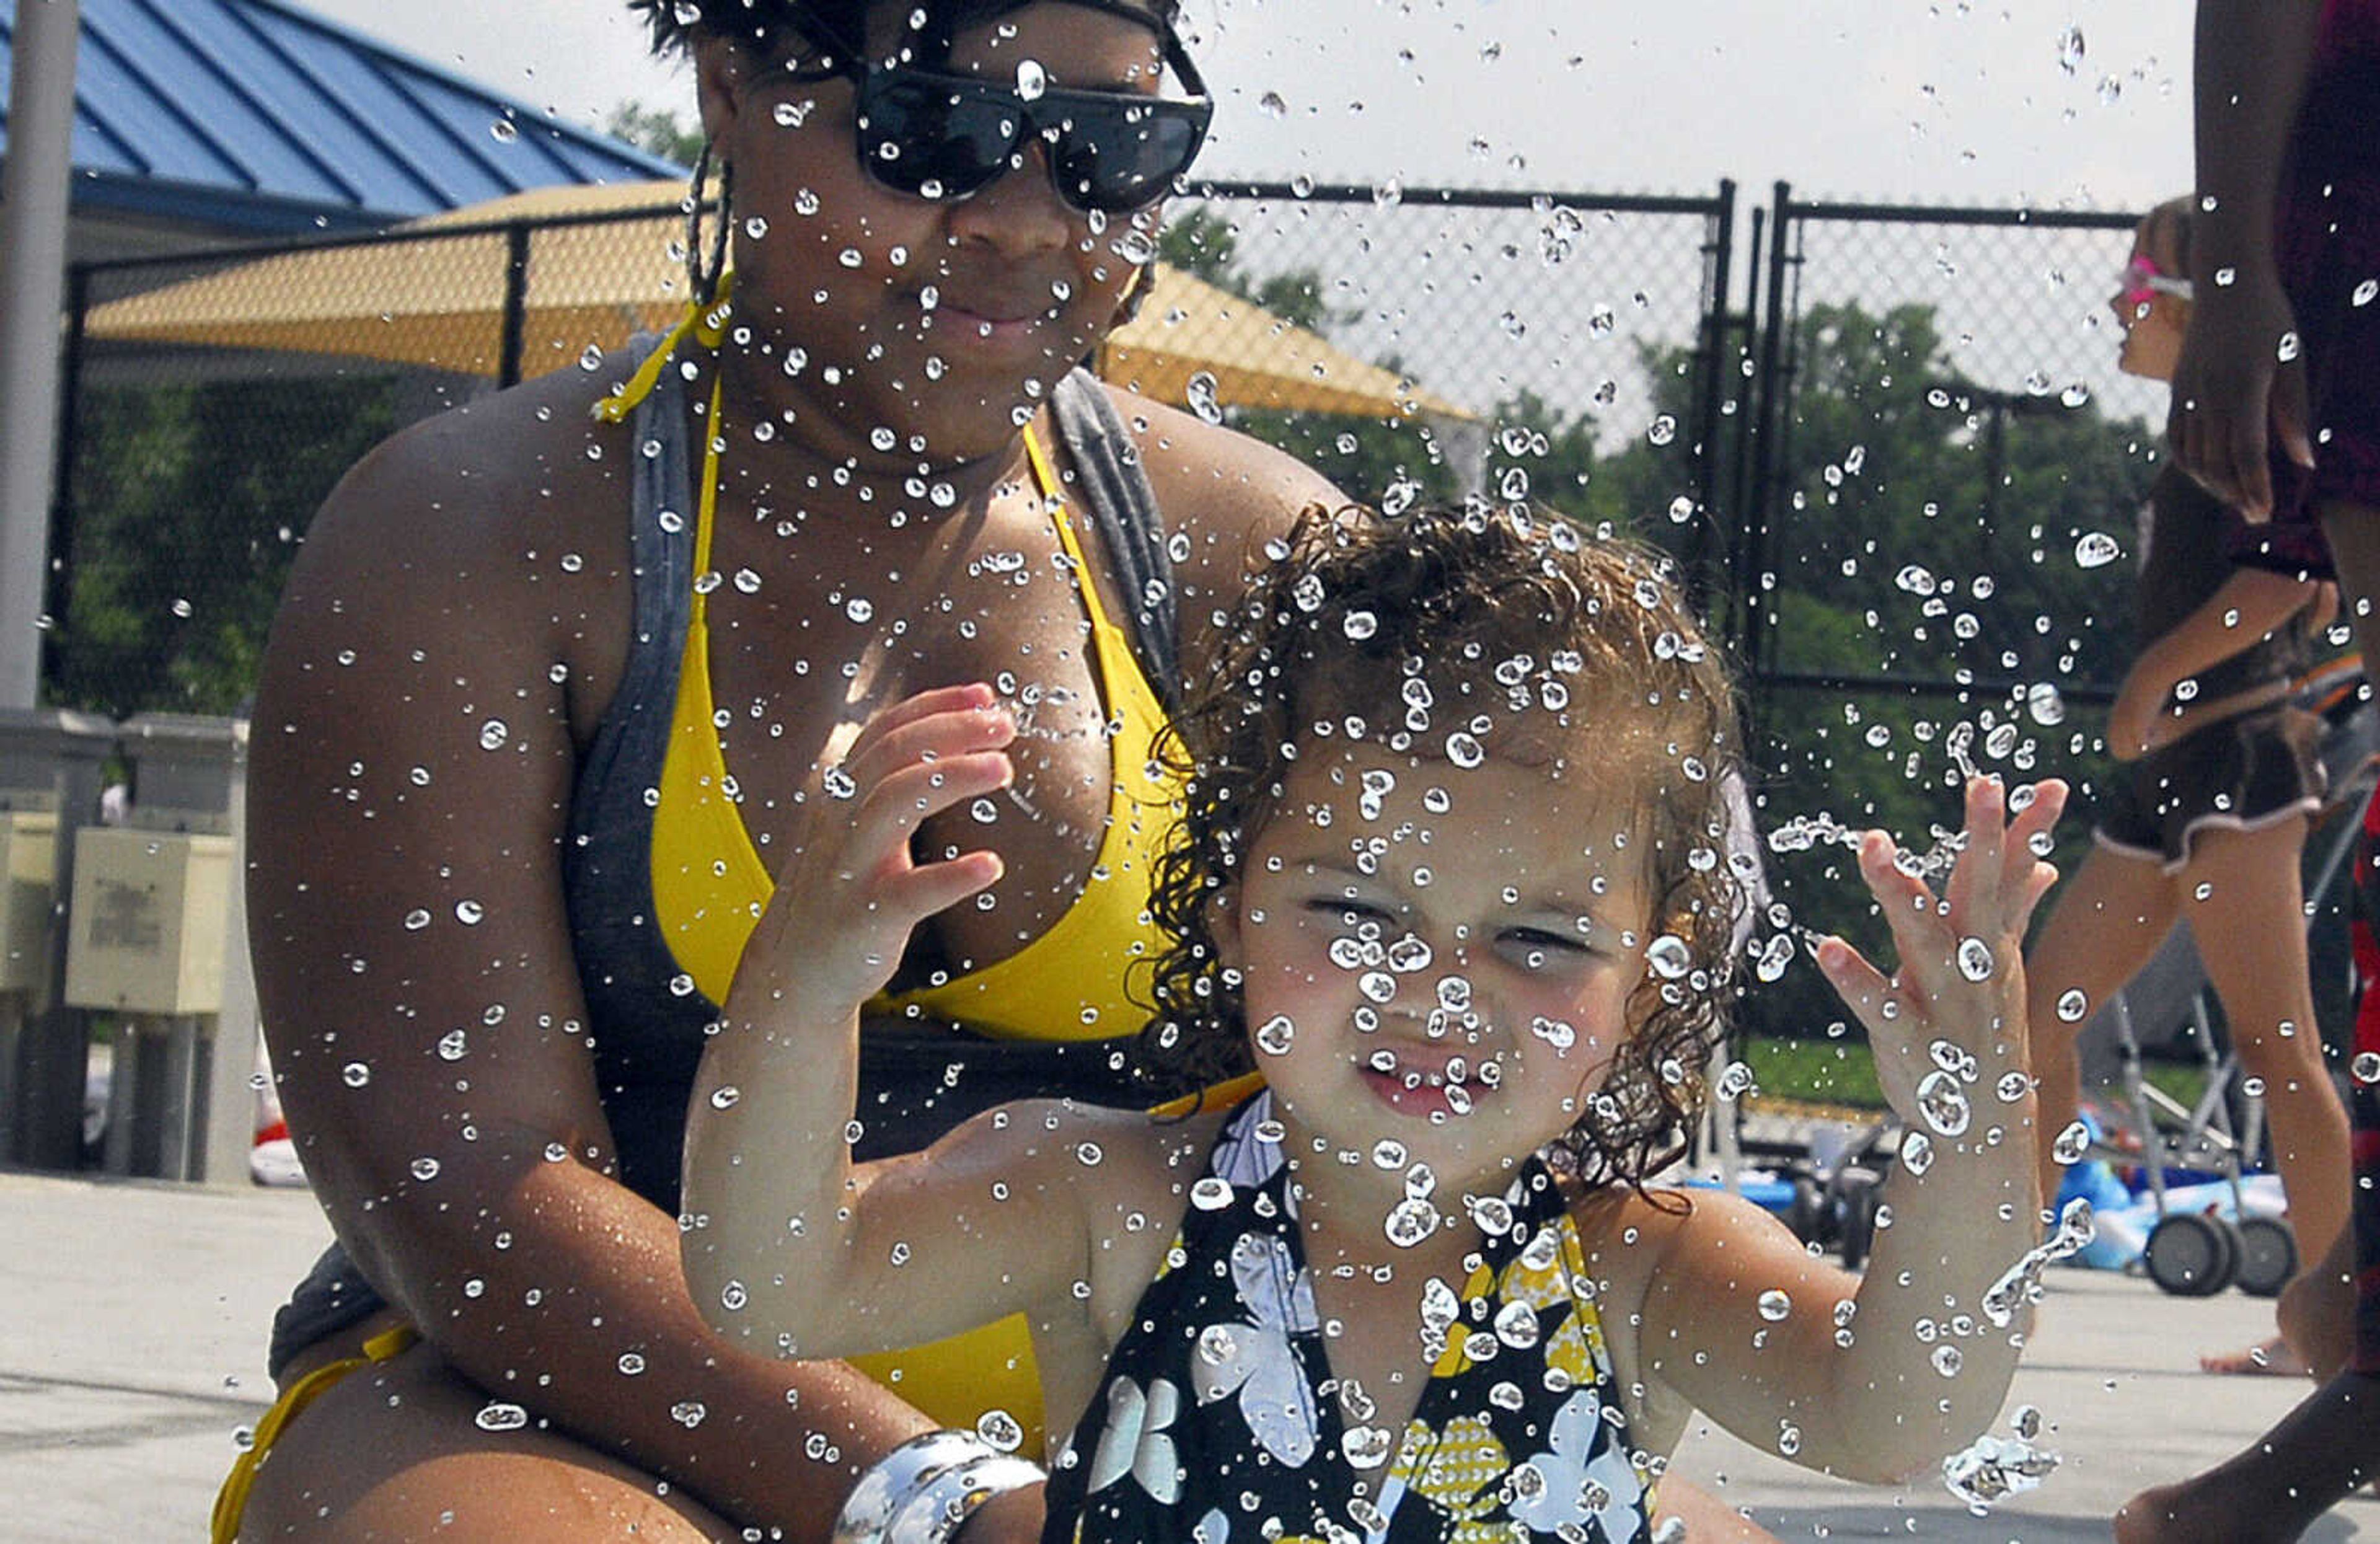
[710, 887]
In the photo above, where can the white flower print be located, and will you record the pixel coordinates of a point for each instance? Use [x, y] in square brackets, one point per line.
[1240, 1157]
[1133, 1441]
[1255, 1360]
[1575, 1463]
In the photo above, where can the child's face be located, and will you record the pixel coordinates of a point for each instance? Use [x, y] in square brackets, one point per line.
[2153, 322]
[1438, 954]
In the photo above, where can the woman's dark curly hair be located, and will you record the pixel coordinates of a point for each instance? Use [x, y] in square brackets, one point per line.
[770, 27]
[1544, 643]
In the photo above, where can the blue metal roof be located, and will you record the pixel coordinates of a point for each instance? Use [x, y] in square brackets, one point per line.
[255, 114]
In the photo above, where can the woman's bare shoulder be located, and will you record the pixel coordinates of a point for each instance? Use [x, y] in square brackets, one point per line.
[524, 461]
[1224, 490]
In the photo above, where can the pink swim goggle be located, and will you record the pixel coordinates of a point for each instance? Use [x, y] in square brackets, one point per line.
[2142, 281]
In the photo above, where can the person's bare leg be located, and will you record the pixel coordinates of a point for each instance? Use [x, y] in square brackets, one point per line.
[395, 1452]
[2318, 1454]
[2317, 1309]
[2103, 924]
[2254, 950]
[2352, 531]
[1707, 1519]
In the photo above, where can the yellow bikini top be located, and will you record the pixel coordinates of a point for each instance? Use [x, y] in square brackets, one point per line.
[709, 885]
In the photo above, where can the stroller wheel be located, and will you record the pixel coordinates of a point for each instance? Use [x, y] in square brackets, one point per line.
[1852, 1197]
[1807, 1215]
[2269, 1255]
[2190, 1254]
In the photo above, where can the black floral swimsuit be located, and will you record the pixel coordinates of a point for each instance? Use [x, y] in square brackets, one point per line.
[1214, 1426]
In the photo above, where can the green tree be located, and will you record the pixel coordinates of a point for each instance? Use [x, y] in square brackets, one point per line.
[655, 130]
[188, 502]
[1926, 531]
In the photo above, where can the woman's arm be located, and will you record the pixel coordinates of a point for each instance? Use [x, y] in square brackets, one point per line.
[2249, 607]
[2231, 387]
[413, 761]
[1873, 1377]
[791, 1250]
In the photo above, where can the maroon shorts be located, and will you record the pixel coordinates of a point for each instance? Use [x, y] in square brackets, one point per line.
[2327, 243]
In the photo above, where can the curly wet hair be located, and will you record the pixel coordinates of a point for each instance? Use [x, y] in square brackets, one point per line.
[1546, 642]
[769, 27]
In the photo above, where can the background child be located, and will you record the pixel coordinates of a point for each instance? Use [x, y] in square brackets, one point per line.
[2208, 814]
[1449, 880]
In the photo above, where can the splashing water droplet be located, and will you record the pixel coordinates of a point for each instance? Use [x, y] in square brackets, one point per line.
[2070, 50]
[1360, 625]
[1975, 962]
[1917, 1151]
[1200, 396]
[1668, 957]
[1412, 1220]
[1775, 1304]
[1734, 1081]
[2071, 1005]
[1942, 1105]
[2072, 1144]
[2096, 549]
[1662, 430]
[501, 1417]
[1277, 1034]
[1991, 1469]
[1000, 1429]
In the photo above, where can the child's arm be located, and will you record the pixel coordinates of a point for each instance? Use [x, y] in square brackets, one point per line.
[2250, 605]
[784, 1244]
[1741, 1321]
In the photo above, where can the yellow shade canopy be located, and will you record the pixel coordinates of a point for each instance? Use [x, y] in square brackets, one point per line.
[600, 262]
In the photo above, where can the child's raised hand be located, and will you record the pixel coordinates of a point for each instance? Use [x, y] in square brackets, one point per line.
[845, 902]
[1962, 971]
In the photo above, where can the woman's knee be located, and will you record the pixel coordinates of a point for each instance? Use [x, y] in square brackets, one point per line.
[396, 1452]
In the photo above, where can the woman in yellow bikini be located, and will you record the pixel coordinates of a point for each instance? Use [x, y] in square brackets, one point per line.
[547, 693]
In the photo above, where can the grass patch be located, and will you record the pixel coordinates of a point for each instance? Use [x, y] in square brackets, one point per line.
[1814, 1072]
[1841, 1072]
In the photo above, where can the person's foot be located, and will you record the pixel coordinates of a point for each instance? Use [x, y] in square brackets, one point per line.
[2267, 1358]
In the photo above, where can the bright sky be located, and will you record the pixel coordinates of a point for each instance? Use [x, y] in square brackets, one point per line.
[1950, 102]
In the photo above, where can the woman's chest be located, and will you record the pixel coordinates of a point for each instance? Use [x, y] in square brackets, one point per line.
[800, 654]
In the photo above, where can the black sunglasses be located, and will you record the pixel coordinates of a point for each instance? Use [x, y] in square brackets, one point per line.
[937, 135]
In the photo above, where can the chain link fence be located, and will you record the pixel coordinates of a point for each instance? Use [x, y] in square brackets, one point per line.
[1903, 474]
[1524, 340]
[213, 401]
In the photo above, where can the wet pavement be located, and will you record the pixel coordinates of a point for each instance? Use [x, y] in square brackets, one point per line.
[133, 1317]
